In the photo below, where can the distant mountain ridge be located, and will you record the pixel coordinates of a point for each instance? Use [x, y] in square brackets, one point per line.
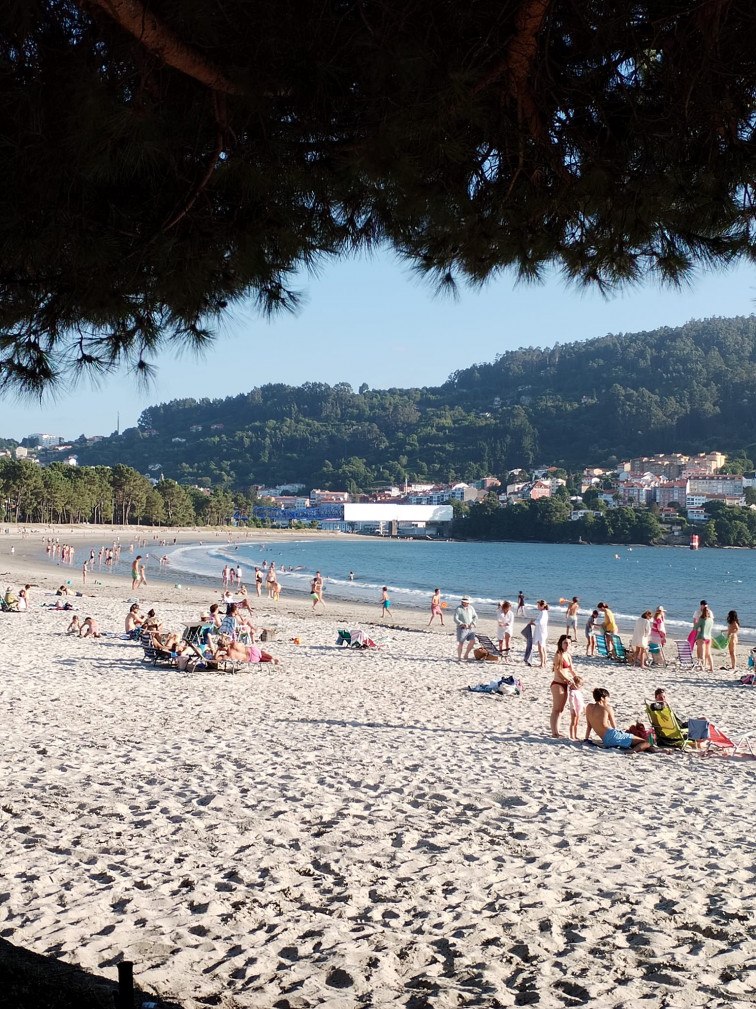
[689, 388]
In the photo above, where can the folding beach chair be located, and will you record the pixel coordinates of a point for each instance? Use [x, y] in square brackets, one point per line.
[354, 639]
[718, 743]
[491, 652]
[601, 646]
[685, 654]
[667, 729]
[154, 653]
[656, 652]
[620, 655]
[197, 633]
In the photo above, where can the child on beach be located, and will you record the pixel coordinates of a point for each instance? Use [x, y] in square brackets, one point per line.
[577, 706]
[385, 602]
[504, 625]
[590, 633]
[73, 627]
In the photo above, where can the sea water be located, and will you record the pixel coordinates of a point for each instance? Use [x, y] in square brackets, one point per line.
[629, 579]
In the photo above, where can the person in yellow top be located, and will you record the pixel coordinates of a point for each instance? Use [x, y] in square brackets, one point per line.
[609, 625]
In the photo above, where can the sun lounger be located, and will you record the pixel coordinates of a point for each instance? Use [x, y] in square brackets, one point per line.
[490, 649]
[667, 729]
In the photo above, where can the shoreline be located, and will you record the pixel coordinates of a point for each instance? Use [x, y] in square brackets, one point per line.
[195, 590]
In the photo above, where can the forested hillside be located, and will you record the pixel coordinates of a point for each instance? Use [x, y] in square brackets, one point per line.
[688, 389]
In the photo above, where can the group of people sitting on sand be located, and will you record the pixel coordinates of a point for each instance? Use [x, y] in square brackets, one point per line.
[16, 602]
[229, 636]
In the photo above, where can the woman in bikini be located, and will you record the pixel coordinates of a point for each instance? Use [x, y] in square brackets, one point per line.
[564, 678]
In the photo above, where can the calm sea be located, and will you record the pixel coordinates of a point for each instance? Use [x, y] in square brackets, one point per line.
[629, 579]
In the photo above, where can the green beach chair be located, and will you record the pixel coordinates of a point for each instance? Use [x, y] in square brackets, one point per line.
[667, 729]
[620, 655]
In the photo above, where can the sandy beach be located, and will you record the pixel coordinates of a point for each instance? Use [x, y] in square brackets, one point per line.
[356, 828]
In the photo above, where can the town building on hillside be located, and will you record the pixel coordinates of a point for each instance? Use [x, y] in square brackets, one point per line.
[719, 484]
[440, 494]
[671, 492]
[391, 519]
[328, 497]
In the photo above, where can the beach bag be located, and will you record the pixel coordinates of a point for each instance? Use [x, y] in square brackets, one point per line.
[748, 679]
[720, 642]
[268, 634]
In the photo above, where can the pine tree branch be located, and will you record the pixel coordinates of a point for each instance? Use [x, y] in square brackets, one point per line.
[519, 60]
[161, 41]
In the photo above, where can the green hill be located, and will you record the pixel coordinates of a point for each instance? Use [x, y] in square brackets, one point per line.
[690, 388]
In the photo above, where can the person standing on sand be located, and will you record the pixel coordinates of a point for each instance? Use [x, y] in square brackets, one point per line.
[563, 682]
[733, 628]
[591, 628]
[608, 626]
[571, 618]
[436, 610]
[258, 581]
[142, 574]
[658, 635]
[385, 601]
[504, 625]
[465, 618]
[640, 639]
[84, 573]
[134, 571]
[600, 719]
[520, 604]
[540, 625]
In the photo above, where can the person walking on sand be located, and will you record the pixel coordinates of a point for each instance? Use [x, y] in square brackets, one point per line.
[540, 625]
[520, 604]
[385, 601]
[436, 610]
[142, 574]
[465, 618]
[135, 571]
[315, 594]
[571, 618]
[504, 625]
[600, 719]
[564, 680]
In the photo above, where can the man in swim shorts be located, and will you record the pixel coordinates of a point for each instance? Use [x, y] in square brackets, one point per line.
[571, 617]
[599, 717]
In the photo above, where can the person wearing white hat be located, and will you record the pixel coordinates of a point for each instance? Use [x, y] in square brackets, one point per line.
[465, 618]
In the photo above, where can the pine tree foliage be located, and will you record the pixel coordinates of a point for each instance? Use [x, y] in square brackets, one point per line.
[164, 159]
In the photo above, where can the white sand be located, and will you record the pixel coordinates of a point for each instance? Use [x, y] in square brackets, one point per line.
[354, 829]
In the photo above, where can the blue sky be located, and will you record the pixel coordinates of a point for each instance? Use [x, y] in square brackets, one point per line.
[370, 320]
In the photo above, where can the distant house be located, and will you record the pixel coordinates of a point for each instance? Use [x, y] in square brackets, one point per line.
[195, 427]
[178, 440]
[217, 427]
